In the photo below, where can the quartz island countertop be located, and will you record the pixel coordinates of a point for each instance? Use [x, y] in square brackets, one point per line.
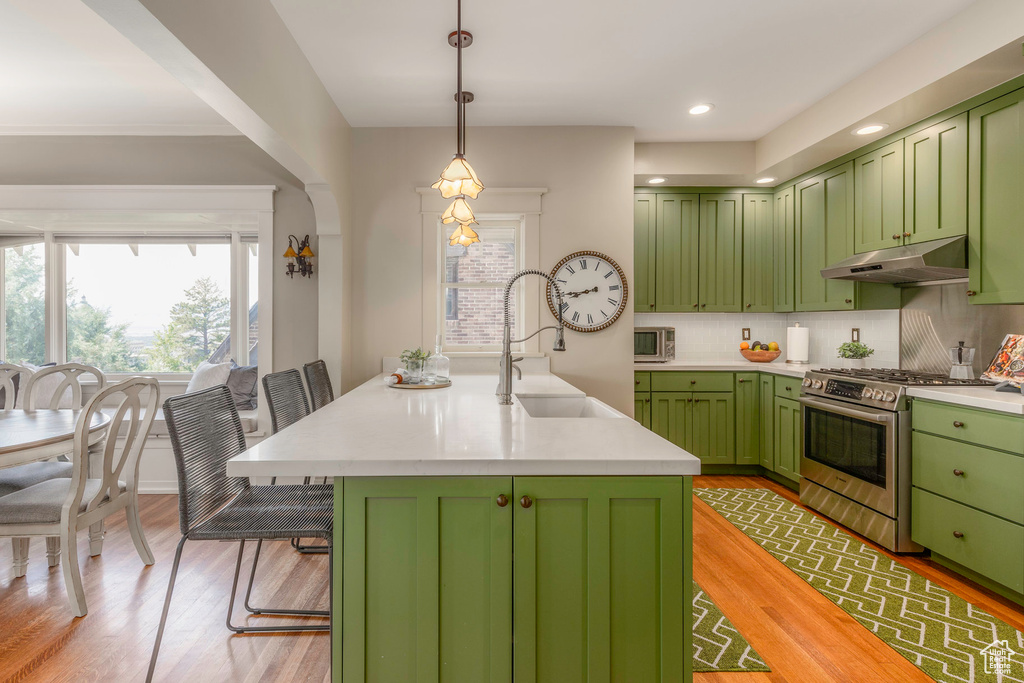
[375, 430]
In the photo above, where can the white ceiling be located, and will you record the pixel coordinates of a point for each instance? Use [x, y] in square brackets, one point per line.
[555, 62]
[64, 70]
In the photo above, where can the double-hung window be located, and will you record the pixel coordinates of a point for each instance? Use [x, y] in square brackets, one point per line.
[471, 286]
[22, 300]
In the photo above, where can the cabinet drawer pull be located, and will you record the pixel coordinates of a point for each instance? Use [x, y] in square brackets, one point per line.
[525, 501]
[693, 381]
[971, 292]
[958, 534]
[789, 388]
[957, 424]
[741, 381]
[958, 473]
[849, 301]
[502, 500]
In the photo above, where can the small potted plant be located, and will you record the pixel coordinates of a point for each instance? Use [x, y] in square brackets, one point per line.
[413, 361]
[855, 352]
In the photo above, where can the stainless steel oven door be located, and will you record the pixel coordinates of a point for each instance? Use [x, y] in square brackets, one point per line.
[852, 450]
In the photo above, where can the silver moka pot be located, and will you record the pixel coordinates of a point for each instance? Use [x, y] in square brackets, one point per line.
[963, 359]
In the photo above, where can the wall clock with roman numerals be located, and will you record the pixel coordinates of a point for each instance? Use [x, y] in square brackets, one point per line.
[594, 291]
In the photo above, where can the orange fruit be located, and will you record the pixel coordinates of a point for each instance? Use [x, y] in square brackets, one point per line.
[745, 346]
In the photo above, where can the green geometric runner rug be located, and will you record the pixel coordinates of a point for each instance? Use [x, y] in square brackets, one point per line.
[717, 645]
[938, 632]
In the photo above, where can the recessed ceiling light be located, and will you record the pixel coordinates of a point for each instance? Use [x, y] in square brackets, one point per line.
[699, 109]
[871, 129]
[765, 180]
[656, 181]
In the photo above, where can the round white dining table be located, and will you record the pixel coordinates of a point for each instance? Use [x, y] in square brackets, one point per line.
[27, 436]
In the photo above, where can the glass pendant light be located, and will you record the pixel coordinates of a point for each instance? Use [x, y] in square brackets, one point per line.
[458, 180]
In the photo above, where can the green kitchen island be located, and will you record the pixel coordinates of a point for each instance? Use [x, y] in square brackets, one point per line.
[549, 540]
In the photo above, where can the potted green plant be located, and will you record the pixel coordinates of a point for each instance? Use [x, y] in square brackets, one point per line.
[855, 352]
[413, 361]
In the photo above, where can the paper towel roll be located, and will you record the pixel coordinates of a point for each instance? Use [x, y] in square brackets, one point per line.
[798, 344]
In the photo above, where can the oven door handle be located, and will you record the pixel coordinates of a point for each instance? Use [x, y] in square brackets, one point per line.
[856, 413]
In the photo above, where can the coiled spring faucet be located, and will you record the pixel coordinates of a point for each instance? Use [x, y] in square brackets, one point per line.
[504, 392]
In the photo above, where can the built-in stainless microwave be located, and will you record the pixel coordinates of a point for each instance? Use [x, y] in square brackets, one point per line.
[654, 344]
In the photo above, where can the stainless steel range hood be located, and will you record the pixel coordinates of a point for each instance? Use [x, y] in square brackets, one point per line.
[944, 259]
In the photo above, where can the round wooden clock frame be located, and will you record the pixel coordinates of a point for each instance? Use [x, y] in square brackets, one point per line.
[622, 278]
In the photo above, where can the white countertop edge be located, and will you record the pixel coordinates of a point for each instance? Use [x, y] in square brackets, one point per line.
[982, 398]
[469, 468]
[775, 367]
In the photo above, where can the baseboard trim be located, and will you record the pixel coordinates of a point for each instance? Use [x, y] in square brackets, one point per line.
[161, 487]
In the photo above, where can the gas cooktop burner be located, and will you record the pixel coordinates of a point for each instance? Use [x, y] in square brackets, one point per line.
[907, 377]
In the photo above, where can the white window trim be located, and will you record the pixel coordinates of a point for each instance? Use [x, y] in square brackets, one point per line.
[500, 204]
[38, 203]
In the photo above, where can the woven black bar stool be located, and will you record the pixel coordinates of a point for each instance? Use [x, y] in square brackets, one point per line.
[320, 390]
[287, 401]
[205, 433]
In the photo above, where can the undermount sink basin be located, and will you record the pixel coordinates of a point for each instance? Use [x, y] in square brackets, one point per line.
[566, 406]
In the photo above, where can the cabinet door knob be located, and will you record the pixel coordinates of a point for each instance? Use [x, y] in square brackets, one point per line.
[971, 292]
[502, 500]
[693, 381]
[906, 234]
[958, 534]
[741, 380]
[957, 424]
[647, 400]
[689, 400]
[695, 305]
[525, 501]
[958, 473]
[849, 301]
[652, 305]
[638, 382]
[895, 237]
[748, 305]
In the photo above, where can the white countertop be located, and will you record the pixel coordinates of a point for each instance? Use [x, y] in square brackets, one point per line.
[375, 430]
[776, 367]
[985, 398]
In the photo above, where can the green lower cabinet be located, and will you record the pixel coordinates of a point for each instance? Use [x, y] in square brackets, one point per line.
[642, 408]
[426, 592]
[427, 580]
[748, 418]
[766, 395]
[788, 428]
[700, 422]
[597, 590]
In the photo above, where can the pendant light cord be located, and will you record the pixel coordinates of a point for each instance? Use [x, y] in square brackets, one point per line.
[460, 144]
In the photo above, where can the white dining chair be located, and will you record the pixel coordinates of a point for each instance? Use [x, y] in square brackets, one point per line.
[41, 393]
[13, 380]
[63, 507]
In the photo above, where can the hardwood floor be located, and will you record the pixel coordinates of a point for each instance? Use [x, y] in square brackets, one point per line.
[801, 635]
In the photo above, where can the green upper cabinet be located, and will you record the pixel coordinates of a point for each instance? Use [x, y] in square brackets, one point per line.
[644, 249]
[721, 253]
[748, 419]
[758, 250]
[427, 580]
[824, 235]
[935, 169]
[996, 200]
[677, 252]
[597, 590]
[784, 253]
[878, 198]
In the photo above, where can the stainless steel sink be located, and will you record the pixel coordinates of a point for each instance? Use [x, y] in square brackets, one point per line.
[566, 406]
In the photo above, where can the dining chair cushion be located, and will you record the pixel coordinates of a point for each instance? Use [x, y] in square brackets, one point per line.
[21, 477]
[41, 503]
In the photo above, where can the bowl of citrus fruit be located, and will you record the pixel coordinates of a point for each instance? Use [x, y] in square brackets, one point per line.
[756, 352]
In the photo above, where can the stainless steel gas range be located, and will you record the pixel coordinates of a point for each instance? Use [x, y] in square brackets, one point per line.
[855, 456]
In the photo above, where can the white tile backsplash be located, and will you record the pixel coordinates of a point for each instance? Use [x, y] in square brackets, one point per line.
[715, 337]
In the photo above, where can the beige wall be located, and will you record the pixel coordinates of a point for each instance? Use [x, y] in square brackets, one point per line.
[233, 160]
[588, 172]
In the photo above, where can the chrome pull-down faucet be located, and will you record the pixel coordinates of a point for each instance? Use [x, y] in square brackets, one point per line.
[508, 363]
